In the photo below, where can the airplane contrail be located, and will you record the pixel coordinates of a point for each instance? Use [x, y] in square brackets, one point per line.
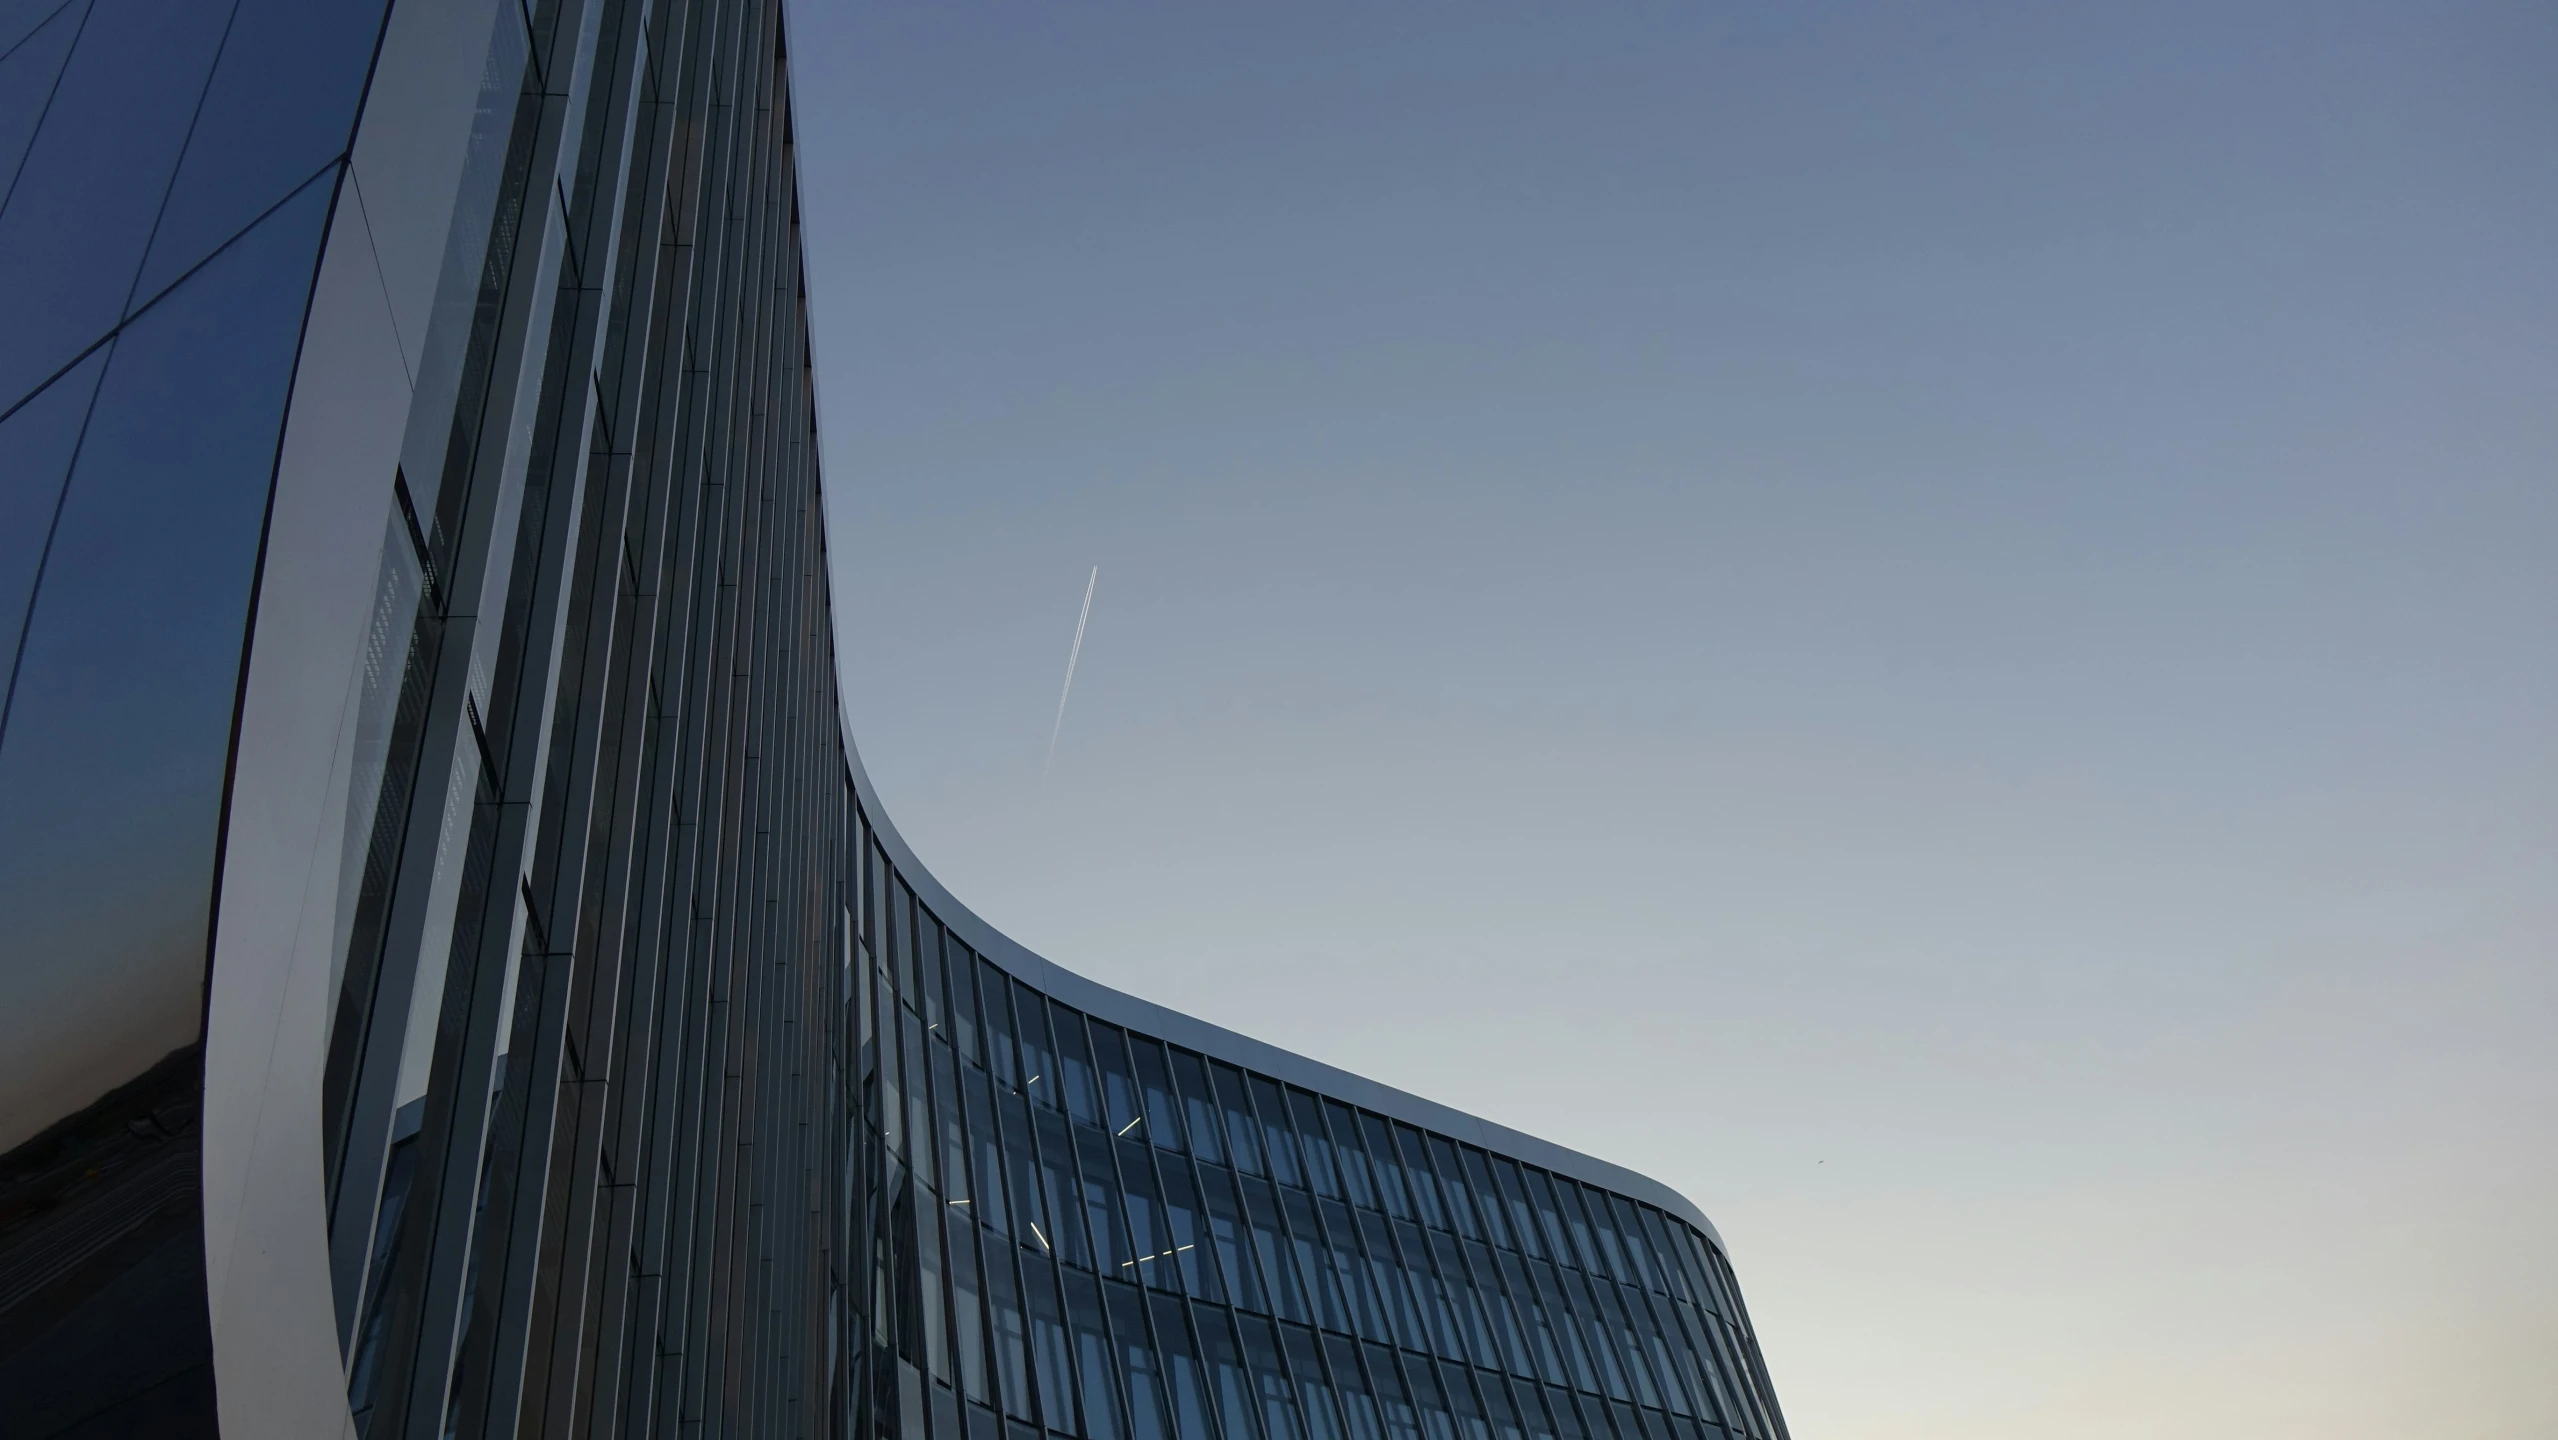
[1071, 656]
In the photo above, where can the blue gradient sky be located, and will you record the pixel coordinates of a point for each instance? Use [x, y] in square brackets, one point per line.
[1933, 627]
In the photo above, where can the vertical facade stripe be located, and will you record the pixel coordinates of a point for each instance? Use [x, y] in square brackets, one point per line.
[638, 1080]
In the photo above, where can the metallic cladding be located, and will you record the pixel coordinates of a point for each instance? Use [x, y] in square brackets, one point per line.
[458, 977]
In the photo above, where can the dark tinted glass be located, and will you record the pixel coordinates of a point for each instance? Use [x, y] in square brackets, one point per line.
[1205, 1129]
[1140, 1367]
[81, 212]
[1459, 1388]
[995, 993]
[1558, 1238]
[113, 742]
[928, 964]
[1350, 1387]
[1314, 1146]
[1052, 1351]
[1279, 1147]
[1038, 1051]
[986, 1153]
[1123, 1109]
[967, 1314]
[921, 1142]
[35, 458]
[1417, 1173]
[1221, 1356]
[1391, 1191]
[1523, 1227]
[1237, 1263]
[1394, 1407]
[1095, 1366]
[892, 1081]
[1356, 1181]
[1491, 1206]
[1314, 1385]
[1151, 1260]
[1105, 1209]
[1270, 1251]
[934, 1331]
[874, 915]
[21, 18]
[960, 966]
[1588, 1238]
[1057, 1211]
[947, 1108]
[1628, 1228]
[1074, 1056]
[1009, 1329]
[1186, 1385]
[35, 38]
[1455, 1187]
[1276, 1398]
[113, 746]
[1154, 1082]
[1665, 1257]
[281, 105]
[1243, 1133]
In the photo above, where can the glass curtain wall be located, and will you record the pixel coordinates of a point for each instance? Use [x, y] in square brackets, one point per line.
[1077, 1228]
[168, 173]
[649, 1096]
[585, 1115]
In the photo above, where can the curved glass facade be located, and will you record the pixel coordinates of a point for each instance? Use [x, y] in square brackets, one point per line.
[167, 174]
[458, 979]
[1077, 1226]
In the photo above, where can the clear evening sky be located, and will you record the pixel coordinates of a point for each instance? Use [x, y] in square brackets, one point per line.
[1933, 623]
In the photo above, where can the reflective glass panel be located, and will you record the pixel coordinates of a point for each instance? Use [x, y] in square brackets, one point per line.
[1314, 1386]
[281, 105]
[960, 966]
[114, 742]
[81, 210]
[1243, 1133]
[1095, 1365]
[1009, 1329]
[1141, 1368]
[1039, 1079]
[1154, 1081]
[1123, 1111]
[35, 38]
[36, 445]
[1205, 1129]
[1074, 1057]
[1279, 1148]
[1356, 1181]
[996, 994]
[1277, 1397]
[1222, 1359]
[1314, 1146]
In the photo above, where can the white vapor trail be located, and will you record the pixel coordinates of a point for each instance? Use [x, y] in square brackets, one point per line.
[1071, 657]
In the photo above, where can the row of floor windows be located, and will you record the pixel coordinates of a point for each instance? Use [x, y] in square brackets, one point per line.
[1279, 1232]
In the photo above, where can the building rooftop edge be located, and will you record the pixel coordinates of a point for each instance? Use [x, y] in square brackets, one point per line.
[1136, 1013]
[1164, 1022]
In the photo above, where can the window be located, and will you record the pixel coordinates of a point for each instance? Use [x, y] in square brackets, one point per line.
[961, 969]
[1042, 1078]
[1163, 1120]
[995, 991]
[1243, 1133]
[1205, 1126]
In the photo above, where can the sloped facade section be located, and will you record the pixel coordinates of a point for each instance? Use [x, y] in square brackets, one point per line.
[458, 979]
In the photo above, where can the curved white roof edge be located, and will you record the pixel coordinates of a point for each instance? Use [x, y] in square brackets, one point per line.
[1146, 1017]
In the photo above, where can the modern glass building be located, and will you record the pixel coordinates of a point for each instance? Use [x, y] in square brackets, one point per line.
[455, 976]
